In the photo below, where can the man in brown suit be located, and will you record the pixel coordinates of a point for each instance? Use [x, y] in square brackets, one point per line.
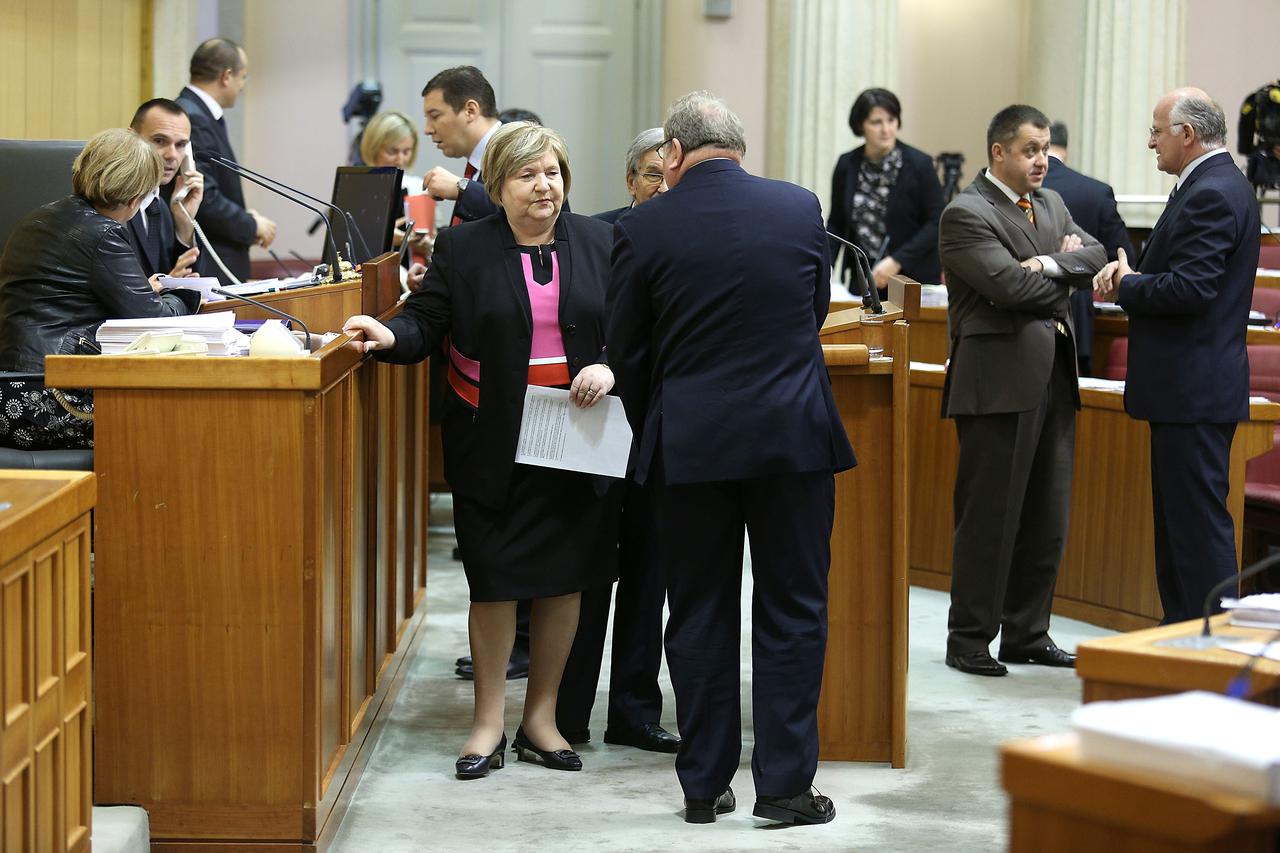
[1011, 255]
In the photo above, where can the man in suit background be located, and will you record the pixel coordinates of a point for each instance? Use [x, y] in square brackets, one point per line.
[219, 71]
[1188, 375]
[461, 115]
[714, 342]
[1011, 253]
[162, 236]
[1093, 207]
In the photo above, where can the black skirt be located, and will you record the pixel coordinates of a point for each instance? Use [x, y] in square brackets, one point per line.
[554, 536]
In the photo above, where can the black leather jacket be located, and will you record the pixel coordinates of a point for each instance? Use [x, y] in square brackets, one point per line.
[65, 269]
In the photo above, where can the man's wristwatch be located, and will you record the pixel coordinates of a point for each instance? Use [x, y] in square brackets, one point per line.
[462, 185]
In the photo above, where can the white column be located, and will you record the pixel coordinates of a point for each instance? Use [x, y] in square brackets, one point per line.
[1133, 55]
[834, 49]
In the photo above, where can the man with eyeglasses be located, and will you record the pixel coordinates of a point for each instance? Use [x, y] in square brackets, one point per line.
[644, 175]
[712, 328]
[1188, 369]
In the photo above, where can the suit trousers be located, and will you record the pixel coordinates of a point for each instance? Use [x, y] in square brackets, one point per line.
[787, 518]
[634, 695]
[1195, 536]
[1012, 500]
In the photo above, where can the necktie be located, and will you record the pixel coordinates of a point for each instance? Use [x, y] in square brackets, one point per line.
[468, 173]
[1024, 204]
[152, 219]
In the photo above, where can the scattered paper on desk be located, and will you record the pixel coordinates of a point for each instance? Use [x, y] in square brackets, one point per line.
[1259, 398]
[204, 284]
[1252, 649]
[554, 433]
[1107, 308]
[1096, 384]
[1261, 610]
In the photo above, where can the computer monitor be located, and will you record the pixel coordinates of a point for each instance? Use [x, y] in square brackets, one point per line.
[371, 194]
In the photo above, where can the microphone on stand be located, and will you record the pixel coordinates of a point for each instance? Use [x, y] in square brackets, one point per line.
[1206, 638]
[347, 217]
[269, 309]
[279, 263]
[335, 270]
[862, 272]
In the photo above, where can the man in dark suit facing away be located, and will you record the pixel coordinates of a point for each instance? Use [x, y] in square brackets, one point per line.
[219, 71]
[161, 235]
[712, 329]
[1011, 254]
[1093, 207]
[1188, 375]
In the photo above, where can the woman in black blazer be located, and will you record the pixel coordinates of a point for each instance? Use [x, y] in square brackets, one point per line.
[885, 196]
[516, 299]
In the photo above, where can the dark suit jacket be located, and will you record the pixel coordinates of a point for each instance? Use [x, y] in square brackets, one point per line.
[713, 330]
[159, 216]
[1188, 304]
[912, 220]
[1001, 315]
[474, 203]
[611, 216]
[222, 216]
[472, 294]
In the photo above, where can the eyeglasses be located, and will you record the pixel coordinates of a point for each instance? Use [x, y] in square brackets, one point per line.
[665, 148]
[650, 177]
[1154, 131]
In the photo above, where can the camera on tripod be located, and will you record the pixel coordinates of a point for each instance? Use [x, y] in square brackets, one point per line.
[1259, 132]
[952, 162]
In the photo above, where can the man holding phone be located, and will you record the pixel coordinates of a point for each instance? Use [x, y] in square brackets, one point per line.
[162, 236]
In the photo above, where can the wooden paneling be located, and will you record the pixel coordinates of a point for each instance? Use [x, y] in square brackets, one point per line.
[1107, 575]
[235, 587]
[1060, 803]
[862, 709]
[70, 68]
[45, 727]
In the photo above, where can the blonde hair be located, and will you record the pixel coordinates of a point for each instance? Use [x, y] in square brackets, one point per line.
[384, 130]
[115, 167]
[515, 145]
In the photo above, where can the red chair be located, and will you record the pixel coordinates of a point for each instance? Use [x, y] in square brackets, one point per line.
[1269, 257]
[1262, 473]
[1117, 360]
[1266, 300]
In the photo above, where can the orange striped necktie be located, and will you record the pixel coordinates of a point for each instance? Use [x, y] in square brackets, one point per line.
[1024, 204]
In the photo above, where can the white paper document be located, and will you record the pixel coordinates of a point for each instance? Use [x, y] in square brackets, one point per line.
[554, 433]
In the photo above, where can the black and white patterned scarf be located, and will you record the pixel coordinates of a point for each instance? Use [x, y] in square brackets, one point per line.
[871, 200]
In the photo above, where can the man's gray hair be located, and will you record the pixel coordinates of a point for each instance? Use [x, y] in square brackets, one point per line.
[642, 145]
[1205, 116]
[700, 118]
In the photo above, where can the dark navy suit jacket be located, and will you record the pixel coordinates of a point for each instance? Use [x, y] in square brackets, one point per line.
[1093, 207]
[712, 329]
[160, 217]
[1188, 304]
[223, 216]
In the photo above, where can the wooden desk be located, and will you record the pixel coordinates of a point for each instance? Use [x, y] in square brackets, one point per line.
[930, 340]
[862, 712]
[1132, 666]
[1107, 576]
[46, 720]
[260, 573]
[1059, 803]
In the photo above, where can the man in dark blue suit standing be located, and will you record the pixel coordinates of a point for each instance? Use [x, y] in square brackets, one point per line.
[1092, 205]
[1188, 375]
[713, 336]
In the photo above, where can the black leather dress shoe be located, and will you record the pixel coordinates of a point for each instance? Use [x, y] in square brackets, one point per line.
[552, 759]
[1049, 655]
[478, 766]
[517, 667]
[705, 811]
[976, 663]
[576, 736]
[806, 808]
[649, 736]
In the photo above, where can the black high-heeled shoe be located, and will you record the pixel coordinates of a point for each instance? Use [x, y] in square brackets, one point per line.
[559, 759]
[478, 766]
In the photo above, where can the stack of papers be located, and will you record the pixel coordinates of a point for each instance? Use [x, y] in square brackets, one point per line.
[204, 285]
[1210, 741]
[1107, 308]
[271, 285]
[215, 330]
[1255, 611]
[1098, 384]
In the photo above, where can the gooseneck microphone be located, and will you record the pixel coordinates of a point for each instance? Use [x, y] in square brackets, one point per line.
[335, 270]
[265, 307]
[1206, 638]
[867, 281]
[346, 217]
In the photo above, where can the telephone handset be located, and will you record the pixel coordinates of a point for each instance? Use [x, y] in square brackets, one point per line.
[188, 165]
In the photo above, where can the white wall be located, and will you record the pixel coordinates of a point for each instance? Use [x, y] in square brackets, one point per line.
[726, 56]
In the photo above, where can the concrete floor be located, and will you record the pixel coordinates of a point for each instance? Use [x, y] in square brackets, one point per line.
[626, 800]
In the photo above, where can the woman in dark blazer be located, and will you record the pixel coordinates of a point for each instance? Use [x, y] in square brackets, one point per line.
[885, 196]
[67, 267]
[516, 299]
